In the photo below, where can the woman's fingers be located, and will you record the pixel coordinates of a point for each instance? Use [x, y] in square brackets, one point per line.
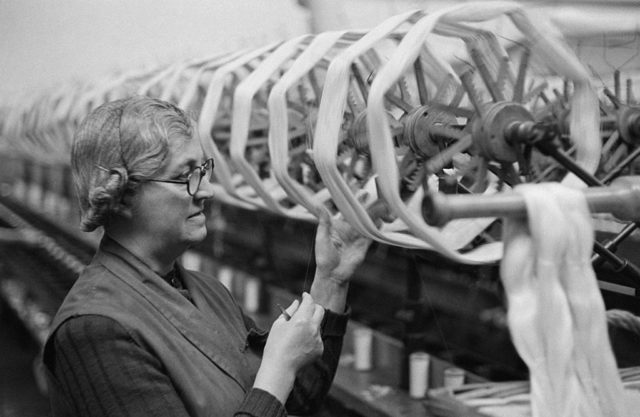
[287, 313]
[290, 311]
[318, 314]
[293, 307]
[305, 310]
[324, 224]
[302, 310]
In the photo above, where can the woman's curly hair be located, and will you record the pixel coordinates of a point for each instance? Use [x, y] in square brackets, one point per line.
[117, 146]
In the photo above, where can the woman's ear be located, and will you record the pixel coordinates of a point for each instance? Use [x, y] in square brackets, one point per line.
[125, 206]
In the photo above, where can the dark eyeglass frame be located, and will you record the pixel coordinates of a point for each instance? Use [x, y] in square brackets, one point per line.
[205, 170]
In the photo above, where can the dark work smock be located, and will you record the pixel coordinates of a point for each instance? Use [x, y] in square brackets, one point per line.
[209, 348]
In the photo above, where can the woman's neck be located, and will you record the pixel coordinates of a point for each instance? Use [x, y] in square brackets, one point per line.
[160, 259]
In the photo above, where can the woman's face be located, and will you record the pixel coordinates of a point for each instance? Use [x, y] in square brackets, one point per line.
[165, 212]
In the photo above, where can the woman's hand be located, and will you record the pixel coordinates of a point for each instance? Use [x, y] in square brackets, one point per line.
[339, 248]
[295, 342]
[291, 344]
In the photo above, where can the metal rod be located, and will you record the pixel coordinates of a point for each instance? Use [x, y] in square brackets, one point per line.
[621, 198]
[571, 165]
[442, 159]
[420, 81]
[612, 245]
[518, 90]
[398, 102]
[616, 83]
[621, 266]
[467, 82]
[362, 85]
[622, 165]
[485, 74]
[602, 252]
[612, 97]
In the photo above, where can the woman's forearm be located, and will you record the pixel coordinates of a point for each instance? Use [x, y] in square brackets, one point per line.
[329, 293]
[275, 380]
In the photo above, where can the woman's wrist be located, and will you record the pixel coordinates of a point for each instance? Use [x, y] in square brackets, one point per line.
[332, 276]
[329, 292]
[276, 380]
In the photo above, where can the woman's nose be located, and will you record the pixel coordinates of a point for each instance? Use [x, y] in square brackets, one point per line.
[205, 191]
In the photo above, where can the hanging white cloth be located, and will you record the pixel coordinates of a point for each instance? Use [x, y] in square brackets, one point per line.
[556, 314]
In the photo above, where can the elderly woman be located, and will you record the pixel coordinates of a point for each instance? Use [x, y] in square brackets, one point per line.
[140, 335]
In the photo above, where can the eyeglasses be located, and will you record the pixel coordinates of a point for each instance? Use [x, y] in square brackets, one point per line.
[194, 178]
